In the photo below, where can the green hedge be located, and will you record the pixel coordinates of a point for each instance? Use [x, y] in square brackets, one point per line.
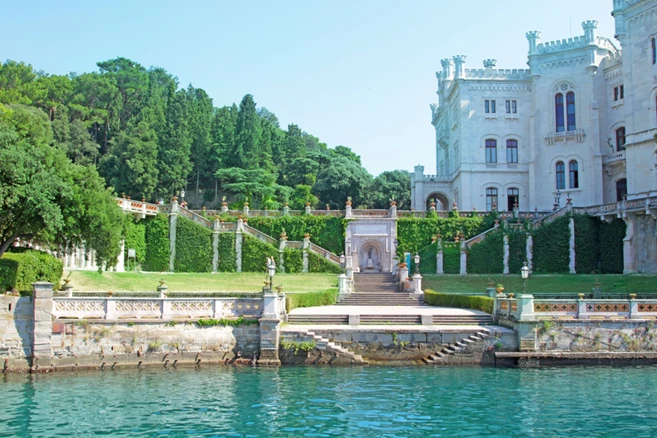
[551, 248]
[586, 244]
[451, 258]
[157, 244]
[255, 253]
[325, 231]
[517, 250]
[487, 256]
[134, 233]
[319, 264]
[20, 270]
[433, 298]
[227, 254]
[311, 299]
[611, 237]
[414, 234]
[193, 247]
[293, 259]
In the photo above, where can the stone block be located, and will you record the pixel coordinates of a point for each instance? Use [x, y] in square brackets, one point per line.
[427, 319]
[354, 319]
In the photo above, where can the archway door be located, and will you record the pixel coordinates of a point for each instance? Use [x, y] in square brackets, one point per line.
[370, 256]
[442, 203]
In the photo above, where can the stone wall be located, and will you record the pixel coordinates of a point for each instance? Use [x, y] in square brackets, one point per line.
[645, 244]
[15, 330]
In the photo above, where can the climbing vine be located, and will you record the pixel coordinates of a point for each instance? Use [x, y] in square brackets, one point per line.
[325, 231]
[157, 244]
[551, 253]
[416, 233]
[255, 253]
[487, 257]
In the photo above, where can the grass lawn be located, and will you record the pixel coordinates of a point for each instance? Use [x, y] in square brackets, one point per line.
[221, 282]
[542, 283]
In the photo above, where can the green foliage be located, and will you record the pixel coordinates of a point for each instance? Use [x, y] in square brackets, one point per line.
[311, 299]
[340, 179]
[317, 263]
[416, 233]
[517, 250]
[193, 247]
[392, 185]
[298, 346]
[586, 244]
[325, 231]
[551, 253]
[451, 258]
[611, 237]
[427, 260]
[433, 298]
[211, 322]
[255, 253]
[20, 270]
[293, 259]
[227, 255]
[134, 232]
[487, 256]
[157, 244]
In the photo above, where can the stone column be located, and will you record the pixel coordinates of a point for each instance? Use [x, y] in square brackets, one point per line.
[173, 221]
[525, 306]
[464, 259]
[282, 243]
[238, 244]
[629, 266]
[417, 284]
[120, 261]
[245, 211]
[529, 251]
[403, 275]
[634, 307]
[571, 244]
[581, 306]
[269, 329]
[506, 255]
[393, 210]
[439, 257]
[307, 208]
[347, 209]
[224, 207]
[343, 287]
[304, 250]
[42, 324]
[216, 226]
[286, 209]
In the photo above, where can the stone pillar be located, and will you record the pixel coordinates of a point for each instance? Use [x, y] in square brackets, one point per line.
[286, 209]
[506, 255]
[529, 250]
[629, 266]
[110, 309]
[459, 60]
[216, 226]
[533, 37]
[571, 244]
[42, 324]
[282, 243]
[393, 210]
[464, 259]
[417, 284]
[307, 208]
[439, 257]
[224, 207]
[634, 307]
[245, 210]
[173, 221]
[347, 209]
[403, 275]
[581, 306]
[343, 285]
[162, 290]
[238, 244]
[120, 261]
[525, 306]
[269, 342]
[354, 261]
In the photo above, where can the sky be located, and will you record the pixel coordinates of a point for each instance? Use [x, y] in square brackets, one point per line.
[359, 73]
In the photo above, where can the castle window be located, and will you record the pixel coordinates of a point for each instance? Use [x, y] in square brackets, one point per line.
[491, 199]
[620, 139]
[511, 107]
[573, 174]
[489, 106]
[654, 51]
[619, 93]
[558, 110]
[512, 151]
[570, 110]
[561, 176]
[512, 198]
[491, 151]
[621, 189]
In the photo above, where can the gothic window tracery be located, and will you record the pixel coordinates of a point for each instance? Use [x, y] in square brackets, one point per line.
[564, 108]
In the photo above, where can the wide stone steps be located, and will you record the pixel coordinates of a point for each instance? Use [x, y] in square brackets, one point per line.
[463, 320]
[463, 346]
[324, 344]
[318, 319]
[365, 319]
[375, 283]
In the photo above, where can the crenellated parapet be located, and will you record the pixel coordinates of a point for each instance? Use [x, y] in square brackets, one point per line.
[497, 73]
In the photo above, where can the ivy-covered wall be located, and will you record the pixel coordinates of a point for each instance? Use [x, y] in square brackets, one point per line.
[451, 258]
[134, 232]
[487, 257]
[317, 263]
[255, 253]
[551, 248]
[517, 250]
[610, 238]
[293, 259]
[156, 258]
[227, 253]
[325, 231]
[414, 234]
[193, 247]
[586, 244]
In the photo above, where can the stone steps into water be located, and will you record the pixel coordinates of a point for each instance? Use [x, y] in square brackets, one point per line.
[464, 346]
[335, 347]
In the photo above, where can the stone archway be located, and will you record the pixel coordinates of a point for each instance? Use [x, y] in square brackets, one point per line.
[370, 256]
[442, 203]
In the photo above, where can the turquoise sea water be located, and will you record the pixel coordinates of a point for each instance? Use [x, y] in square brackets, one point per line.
[349, 402]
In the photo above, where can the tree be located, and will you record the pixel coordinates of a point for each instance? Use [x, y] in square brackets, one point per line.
[255, 186]
[391, 185]
[344, 151]
[46, 198]
[340, 179]
[174, 157]
[247, 152]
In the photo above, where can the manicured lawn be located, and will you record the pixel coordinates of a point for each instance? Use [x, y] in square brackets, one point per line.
[541, 283]
[222, 282]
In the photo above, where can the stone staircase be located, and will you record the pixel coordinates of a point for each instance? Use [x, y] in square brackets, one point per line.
[484, 319]
[469, 345]
[378, 290]
[324, 344]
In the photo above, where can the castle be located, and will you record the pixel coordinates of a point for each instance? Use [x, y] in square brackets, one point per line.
[578, 124]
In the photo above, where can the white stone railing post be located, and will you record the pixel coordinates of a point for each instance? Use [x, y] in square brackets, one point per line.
[165, 305]
[307, 209]
[347, 210]
[403, 276]
[634, 307]
[282, 243]
[525, 308]
[463, 265]
[393, 210]
[110, 309]
[238, 244]
[343, 284]
[245, 210]
[440, 259]
[581, 306]
[529, 251]
[571, 252]
[417, 284]
[173, 221]
[506, 255]
[286, 209]
[216, 226]
[224, 207]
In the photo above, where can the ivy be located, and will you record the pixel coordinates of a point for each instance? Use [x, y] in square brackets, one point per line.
[227, 254]
[451, 258]
[193, 247]
[586, 244]
[551, 247]
[134, 232]
[325, 231]
[611, 237]
[317, 263]
[416, 233]
[211, 322]
[157, 244]
[255, 253]
[293, 259]
[517, 250]
[487, 256]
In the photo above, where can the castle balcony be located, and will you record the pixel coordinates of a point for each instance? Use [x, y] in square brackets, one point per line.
[564, 137]
[615, 158]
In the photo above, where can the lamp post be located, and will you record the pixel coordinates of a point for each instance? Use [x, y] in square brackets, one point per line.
[417, 263]
[524, 271]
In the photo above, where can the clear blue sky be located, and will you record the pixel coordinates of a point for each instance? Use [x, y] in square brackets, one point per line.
[356, 73]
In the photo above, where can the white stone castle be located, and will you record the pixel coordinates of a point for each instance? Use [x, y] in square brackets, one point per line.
[579, 123]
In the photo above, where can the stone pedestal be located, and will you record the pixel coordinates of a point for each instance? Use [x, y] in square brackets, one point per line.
[417, 284]
[42, 324]
[525, 306]
[269, 342]
[173, 221]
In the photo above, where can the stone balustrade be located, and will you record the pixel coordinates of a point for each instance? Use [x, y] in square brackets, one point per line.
[112, 308]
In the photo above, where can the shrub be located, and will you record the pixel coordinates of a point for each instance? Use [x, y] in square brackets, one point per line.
[433, 298]
[20, 270]
[586, 244]
[415, 233]
[451, 258]
[193, 247]
[157, 244]
[311, 299]
[293, 259]
[611, 237]
[255, 253]
[517, 250]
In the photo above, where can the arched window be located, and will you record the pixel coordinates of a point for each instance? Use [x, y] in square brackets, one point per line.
[570, 110]
[620, 139]
[561, 176]
[491, 151]
[621, 189]
[512, 151]
[573, 176]
[654, 51]
[512, 198]
[491, 199]
[558, 112]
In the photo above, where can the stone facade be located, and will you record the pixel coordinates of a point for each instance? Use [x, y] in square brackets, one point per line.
[572, 124]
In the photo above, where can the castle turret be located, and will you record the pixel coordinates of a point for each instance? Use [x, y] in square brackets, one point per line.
[447, 68]
[534, 37]
[590, 31]
[459, 60]
[619, 17]
[490, 63]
